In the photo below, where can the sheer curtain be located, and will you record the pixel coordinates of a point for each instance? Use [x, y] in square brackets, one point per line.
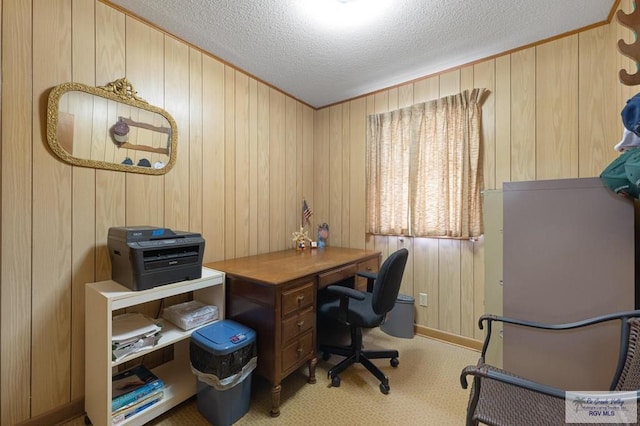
[423, 168]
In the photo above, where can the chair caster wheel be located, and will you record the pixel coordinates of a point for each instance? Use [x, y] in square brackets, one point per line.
[326, 356]
[394, 362]
[335, 381]
[384, 388]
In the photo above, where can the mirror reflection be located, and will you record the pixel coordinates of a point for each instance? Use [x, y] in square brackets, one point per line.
[110, 127]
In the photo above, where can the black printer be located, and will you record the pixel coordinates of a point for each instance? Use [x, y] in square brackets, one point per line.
[143, 257]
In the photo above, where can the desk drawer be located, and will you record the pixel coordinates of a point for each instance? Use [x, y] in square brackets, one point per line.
[297, 298]
[296, 352]
[336, 275]
[298, 324]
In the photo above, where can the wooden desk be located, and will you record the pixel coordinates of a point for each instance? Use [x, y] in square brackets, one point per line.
[275, 294]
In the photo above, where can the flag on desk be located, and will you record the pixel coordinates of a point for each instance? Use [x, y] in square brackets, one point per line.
[306, 212]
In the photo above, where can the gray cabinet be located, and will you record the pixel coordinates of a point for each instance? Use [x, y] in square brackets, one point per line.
[492, 217]
[569, 254]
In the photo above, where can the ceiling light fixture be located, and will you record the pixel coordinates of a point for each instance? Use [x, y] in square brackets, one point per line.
[343, 13]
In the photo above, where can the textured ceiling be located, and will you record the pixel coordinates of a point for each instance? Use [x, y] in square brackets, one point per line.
[323, 58]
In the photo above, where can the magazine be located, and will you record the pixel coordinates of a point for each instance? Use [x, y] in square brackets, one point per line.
[129, 386]
[142, 404]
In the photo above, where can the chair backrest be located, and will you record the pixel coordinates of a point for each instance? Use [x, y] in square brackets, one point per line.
[388, 280]
[630, 377]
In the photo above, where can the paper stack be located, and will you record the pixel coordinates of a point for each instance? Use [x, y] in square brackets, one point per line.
[131, 333]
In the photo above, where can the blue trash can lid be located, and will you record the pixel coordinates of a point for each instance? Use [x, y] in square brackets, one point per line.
[403, 298]
[224, 336]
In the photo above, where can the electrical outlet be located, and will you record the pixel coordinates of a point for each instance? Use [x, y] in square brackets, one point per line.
[423, 299]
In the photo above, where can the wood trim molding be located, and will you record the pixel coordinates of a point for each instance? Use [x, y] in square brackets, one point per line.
[63, 413]
[465, 342]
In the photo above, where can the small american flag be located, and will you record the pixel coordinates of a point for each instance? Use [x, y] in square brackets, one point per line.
[306, 212]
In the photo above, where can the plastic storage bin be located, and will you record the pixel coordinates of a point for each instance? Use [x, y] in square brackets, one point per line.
[188, 315]
[399, 321]
[223, 357]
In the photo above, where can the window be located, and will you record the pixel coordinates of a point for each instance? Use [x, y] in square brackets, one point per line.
[424, 169]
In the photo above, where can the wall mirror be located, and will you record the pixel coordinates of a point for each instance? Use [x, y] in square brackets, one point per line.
[110, 127]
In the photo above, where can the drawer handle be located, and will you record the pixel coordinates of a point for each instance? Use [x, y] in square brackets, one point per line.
[300, 298]
[299, 351]
[300, 324]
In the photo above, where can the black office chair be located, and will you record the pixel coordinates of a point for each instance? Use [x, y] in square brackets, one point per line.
[359, 310]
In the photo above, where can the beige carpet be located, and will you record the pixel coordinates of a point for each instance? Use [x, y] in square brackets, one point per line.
[425, 390]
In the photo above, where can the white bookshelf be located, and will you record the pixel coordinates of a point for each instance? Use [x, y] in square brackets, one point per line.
[101, 299]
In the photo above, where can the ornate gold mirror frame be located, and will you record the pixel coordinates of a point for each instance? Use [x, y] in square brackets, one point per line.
[110, 127]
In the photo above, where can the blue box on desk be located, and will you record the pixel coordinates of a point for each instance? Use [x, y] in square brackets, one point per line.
[223, 356]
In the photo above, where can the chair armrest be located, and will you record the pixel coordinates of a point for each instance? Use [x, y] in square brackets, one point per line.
[368, 275]
[371, 278]
[345, 294]
[564, 326]
[488, 319]
[345, 291]
[484, 371]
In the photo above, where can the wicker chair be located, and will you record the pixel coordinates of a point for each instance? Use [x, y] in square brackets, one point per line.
[498, 397]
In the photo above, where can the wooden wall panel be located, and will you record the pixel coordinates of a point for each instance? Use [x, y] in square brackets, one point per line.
[176, 98]
[241, 183]
[502, 104]
[213, 158]
[264, 176]
[357, 173]
[321, 157]
[83, 197]
[279, 237]
[484, 76]
[426, 89]
[292, 199]
[145, 69]
[449, 83]
[334, 167]
[523, 115]
[308, 161]
[110, 186]
[557, 109]
[51, 280]
[17, 208]
[449, 276]
[300, 159]
[369, 241]
[253, 166]
[467, 78]
[598, 112]
[426, 280]
[195, 142]
[229, 161]
[468, 288]
[345, 205]
[470, 318]
[392, 99]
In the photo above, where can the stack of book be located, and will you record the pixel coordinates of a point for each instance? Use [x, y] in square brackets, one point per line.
[132, 332]
[133, 391]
